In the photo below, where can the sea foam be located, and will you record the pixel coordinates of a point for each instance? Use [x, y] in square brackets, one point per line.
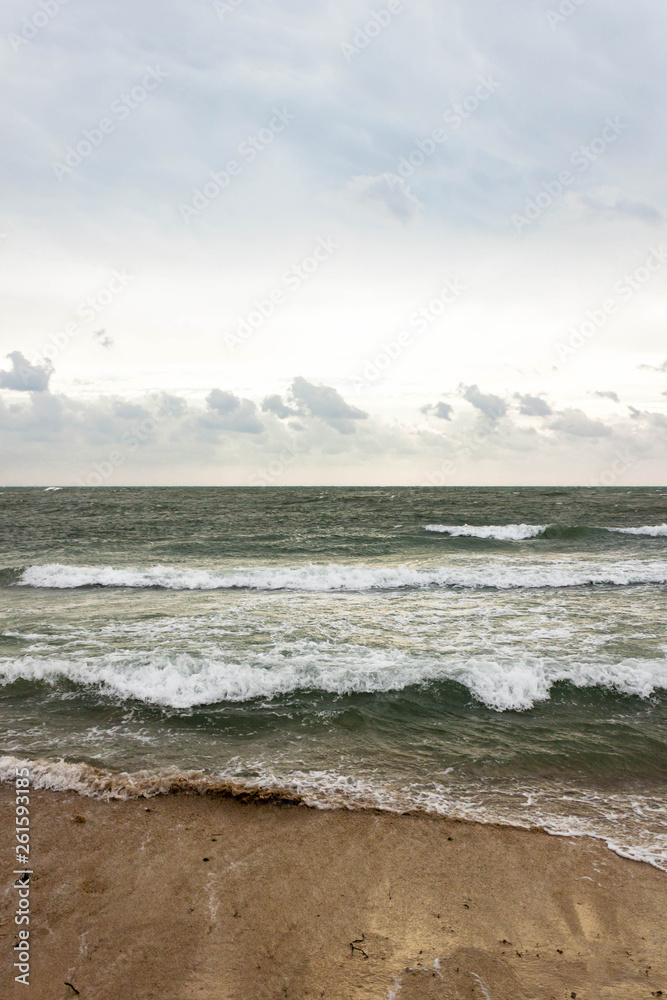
[338, 577]
[500, 532]
[628, 824]
[182, 681]
[650, 530]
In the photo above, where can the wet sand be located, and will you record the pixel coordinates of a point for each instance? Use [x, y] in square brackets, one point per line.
[185, 897]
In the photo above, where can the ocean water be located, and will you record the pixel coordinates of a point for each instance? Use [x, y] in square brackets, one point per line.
[492, 654]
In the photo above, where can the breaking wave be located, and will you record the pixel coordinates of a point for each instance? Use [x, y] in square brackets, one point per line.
[338, 577]
[500, 532]
[182, 681]
[650, 530]
[521, 532]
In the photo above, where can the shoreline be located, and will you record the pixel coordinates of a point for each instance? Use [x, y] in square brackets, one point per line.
[190, 897]
[107, 785]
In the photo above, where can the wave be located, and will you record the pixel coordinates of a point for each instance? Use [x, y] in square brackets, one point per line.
[183, 681]
[522, 532]
[651, 530]
[337, 577]
[621, 821]
[500, 532]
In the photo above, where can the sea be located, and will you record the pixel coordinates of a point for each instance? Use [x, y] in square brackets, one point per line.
[497, 655]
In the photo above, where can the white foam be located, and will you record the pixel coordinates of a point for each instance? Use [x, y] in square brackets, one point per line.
[619, 820]
[652, 530]
[336, 577]
[500, 532]
[181, 681]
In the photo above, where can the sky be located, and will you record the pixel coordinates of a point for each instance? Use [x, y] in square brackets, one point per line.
[279, 243]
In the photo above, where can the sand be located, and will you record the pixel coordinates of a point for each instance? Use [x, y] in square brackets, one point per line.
[185, 897]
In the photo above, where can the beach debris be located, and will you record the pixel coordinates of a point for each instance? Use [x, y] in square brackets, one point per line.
[78, 819]
[354, 946]
[73, 988]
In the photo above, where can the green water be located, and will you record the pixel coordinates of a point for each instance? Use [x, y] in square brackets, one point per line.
[362, 646]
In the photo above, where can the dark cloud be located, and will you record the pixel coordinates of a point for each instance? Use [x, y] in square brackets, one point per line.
[577, 423]
[533, 406]
[25, 377]
[442, 410]
[275, 404]
[231, 413]
[326, 403]
[491, 406]
[607, 394]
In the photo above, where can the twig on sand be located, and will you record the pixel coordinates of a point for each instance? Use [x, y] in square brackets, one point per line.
[353, 945]
[78, 993]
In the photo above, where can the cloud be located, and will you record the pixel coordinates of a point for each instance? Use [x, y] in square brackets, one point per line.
[657, 419]
[607, 394]
[491, 406]
[388, 191]
[326, 403]
[441, 410]
[275, 404]
[25, 377]
[231, 413]
[533, 406]
[656, 368]
[103, 338]
[576, 422]
[610, 201]
[162, 439]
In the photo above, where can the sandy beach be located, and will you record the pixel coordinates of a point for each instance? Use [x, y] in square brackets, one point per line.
[186, 897]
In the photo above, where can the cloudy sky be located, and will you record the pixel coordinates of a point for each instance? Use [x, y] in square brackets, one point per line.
[248, 242]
